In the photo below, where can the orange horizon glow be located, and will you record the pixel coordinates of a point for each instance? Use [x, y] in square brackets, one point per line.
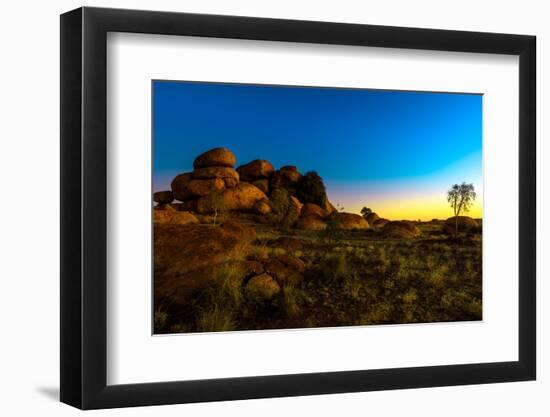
[412, 205]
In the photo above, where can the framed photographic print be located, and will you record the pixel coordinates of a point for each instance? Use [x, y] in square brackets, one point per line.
[258, 207]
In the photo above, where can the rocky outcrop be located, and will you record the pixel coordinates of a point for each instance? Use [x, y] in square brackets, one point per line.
[255, 170]
[217, 157]
[401, 229]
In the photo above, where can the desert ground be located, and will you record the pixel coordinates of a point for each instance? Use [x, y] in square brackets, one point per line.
[248, 249]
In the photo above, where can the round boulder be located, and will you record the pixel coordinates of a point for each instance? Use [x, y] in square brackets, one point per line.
[256, 169]
[401, 229]
[217, 157]
[311, 223]
[262, 207]
[163, 197]
[179, 186]
[349, 221]
[310, 209]
[200, 188]
[242, 197]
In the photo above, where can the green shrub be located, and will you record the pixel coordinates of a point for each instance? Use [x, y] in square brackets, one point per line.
[334, 267]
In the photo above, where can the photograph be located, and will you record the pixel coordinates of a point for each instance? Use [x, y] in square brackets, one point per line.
[281, 207]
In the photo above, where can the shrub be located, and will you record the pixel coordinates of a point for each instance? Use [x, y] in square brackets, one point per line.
[291, 301]
[280, 201]
[215, 318]
[334, 266]
[311, 189]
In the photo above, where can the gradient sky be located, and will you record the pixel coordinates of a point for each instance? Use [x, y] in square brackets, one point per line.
[396, 152]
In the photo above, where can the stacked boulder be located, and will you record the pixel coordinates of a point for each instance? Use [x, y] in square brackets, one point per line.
[215, 185]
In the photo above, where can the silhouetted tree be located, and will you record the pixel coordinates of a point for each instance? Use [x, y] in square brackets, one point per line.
[365, 211]
[460, 198]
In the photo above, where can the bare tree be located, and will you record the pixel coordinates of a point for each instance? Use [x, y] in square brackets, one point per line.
[218, 201]
[461, 197]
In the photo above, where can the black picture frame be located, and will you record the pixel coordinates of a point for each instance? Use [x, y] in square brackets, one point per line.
[84, 207]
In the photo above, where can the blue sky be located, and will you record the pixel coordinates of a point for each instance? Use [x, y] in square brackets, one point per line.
[372, 147]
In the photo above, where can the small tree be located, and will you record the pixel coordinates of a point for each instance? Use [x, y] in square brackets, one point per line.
[460, 198]
[218, 202]
[365, 211]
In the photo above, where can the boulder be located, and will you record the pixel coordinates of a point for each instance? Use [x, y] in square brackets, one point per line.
[173, 217]
[179, 186]
[182, 249]
[216, 172]
[262, 184]
[311, 223]
[242, 197]
[286, 177]
[465, 224]
[163, 197]
[217, 157]
[230, 182]
[286, 269]
[201, 188]
[310, 209]
[371, 218]
[401, 229]
[256, 169]
[262, 207]
[263, 285]
[348, 221]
